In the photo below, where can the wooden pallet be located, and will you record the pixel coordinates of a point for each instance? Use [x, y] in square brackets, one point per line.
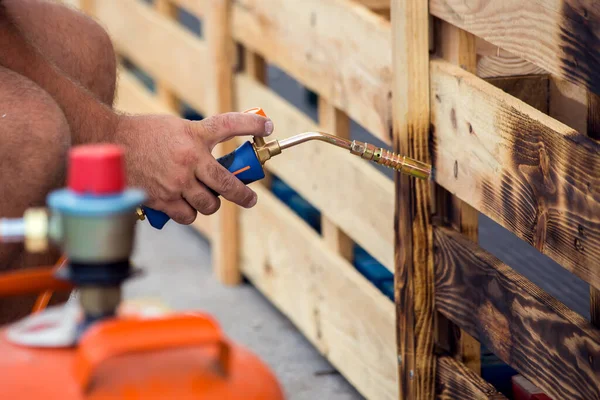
[494, 94]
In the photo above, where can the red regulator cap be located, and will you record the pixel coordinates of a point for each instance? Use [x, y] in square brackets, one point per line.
[97, 169]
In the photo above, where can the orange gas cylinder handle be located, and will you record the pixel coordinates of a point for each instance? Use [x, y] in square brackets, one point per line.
[122, 336]
[31, 281]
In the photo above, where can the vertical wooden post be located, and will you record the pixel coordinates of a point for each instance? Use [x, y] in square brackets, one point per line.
[458, 47]
[226, 235]
[414, 275]
[334, 121]
[255, 66]
[593, 131]
[168, 9]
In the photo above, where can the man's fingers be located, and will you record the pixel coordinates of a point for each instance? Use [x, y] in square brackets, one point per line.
[214, 176]
[181, 212]
[222, 127]
[199, 197]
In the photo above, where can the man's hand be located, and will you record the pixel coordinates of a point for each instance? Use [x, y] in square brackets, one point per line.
[171, 159]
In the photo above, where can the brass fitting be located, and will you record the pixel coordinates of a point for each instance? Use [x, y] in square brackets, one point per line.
[266, 150]
[36, 222]
[141, 216]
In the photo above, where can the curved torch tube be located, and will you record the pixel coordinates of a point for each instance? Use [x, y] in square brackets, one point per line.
[367, 151]
[306, 136]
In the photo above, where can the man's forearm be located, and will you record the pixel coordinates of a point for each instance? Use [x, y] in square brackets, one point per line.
[90, 120]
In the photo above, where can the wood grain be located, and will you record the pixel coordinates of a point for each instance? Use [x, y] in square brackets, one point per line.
[525, 170]
[375, 4]
[169, 10]
[337, 48]
[342, 314]
[334, 121]
[349, 191]
[414, 290]
[164, 49]
[494, 62]
[562, 37]
[455, 380]
[502, 66]
[593, 131]
[458, 47]
[132, 97]
[226, 238]
[552, 346]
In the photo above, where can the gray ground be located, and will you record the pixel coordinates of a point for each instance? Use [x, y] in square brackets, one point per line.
[178, 270]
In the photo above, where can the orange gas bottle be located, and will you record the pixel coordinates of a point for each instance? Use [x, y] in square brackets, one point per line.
[177, 356]
[96, 346]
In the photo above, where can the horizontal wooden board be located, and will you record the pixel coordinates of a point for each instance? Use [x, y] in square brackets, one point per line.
[348, 190]
[375, 4]
[502, 66]
[528, 172]
[561, 36]
[132, 97]
[552, 346]
[162, 48]
[345, 317]
[455, 381]
[337, 48]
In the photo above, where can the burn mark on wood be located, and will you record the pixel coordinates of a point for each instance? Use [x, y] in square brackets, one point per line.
[543, 193]
[580, 42]
[538, 336]
[455, 381]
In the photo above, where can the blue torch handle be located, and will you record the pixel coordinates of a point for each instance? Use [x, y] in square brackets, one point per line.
[242, 162]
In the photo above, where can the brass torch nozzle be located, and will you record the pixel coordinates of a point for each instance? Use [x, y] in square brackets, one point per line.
[391, 160]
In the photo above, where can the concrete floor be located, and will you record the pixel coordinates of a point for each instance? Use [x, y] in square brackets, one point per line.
[178, 271]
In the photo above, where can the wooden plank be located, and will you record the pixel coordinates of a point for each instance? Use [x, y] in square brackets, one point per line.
[165, 50]
[454, 380]
[132, 97]
[226, 239]
[563, 37]
[523, 169]
[168, 9]
[414, 286]
[255, 66]
[337, 48]
[348, 190]
[375, 4]
[494, 62]
[459, 47]
[342, 314]
[552, 346]
[335, 122]
[593, 131]
[500, 66]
